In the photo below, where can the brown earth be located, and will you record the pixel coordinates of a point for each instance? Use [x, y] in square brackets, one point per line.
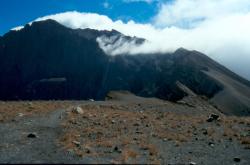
[123, 129]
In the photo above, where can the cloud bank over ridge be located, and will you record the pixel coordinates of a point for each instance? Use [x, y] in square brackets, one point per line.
[218, 28]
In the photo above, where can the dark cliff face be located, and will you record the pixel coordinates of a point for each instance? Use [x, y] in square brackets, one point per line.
[49, 50]
[49, 61]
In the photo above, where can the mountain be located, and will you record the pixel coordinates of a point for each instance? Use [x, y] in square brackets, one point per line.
[46, 60]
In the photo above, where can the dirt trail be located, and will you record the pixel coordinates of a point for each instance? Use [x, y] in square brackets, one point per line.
[16, 147]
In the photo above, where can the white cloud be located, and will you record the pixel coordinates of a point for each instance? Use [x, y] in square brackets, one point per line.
[222, 32]
[188, 12]
[116, 44]
[17, 28]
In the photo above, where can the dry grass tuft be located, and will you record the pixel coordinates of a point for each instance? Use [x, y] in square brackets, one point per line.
[11, 110]
[106, 126]
[127, 154]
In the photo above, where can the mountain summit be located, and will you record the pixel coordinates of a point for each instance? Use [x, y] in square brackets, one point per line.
[46, 60]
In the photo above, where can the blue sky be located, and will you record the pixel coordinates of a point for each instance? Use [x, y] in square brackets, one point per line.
[18, 12]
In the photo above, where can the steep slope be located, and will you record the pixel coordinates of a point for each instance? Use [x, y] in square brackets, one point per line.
[46, 60]
[234, 98]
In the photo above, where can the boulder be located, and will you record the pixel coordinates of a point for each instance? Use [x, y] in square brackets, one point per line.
[213, 117]
[32, 135]
[236, 159]
[77, 110]
[192, 163]
[77, 143]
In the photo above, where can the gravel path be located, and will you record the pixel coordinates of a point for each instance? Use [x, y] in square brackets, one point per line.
[17, 147]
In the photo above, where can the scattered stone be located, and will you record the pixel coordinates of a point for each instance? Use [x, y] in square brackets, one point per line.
[153, 135]
[177, 144]
[209, 119]
[213, 117]
[87, 150]
[96, 123]
[204, 131]
[165, 139]
[30, 104]
[236, 159]
[32, 135]
[157, 118]
[116, 149]
[192, 163]
[241, 122]
[247, 147]
[91, 100]
[136, 124]
[20, 114]
[77, 143]
[113, 121]
[77, 135]
[73, 122]
[211, 144]
[218, 124]
[181, 102]
[78, 110]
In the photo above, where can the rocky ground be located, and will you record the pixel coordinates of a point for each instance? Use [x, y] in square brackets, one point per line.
[123, 129]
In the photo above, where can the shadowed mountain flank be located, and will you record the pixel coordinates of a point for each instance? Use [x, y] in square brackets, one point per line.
[46, 60]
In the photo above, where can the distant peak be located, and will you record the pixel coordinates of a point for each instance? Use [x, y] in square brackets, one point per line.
[181, 50]
[47, 22]
[115, 31]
